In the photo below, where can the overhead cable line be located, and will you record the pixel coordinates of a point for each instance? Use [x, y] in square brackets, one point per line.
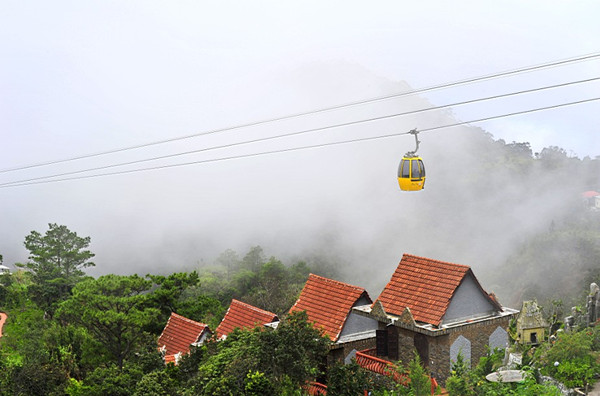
[19, 184]
[526, 69]
[257, 140]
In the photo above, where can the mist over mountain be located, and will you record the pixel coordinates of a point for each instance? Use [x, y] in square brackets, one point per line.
[482, 200]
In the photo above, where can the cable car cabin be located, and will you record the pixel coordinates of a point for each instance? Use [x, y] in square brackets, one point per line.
[411, 174]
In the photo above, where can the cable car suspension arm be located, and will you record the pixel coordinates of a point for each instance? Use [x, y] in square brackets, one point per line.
[414, 153]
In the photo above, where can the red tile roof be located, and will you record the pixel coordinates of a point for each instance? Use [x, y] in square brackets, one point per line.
[383, 367]
[179, 333]
[170, 359]
[315, 389]
[328, 303]
[426, 287]
[242, 315]
[380, 366]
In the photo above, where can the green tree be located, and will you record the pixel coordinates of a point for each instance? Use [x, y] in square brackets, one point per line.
[295, 350]
[181, 293]
[230, 261]
[271, 292]
[114, 310]
[570, 359]
[420, 382]
[458, 383]
[347, 380]
[155, 383]
[287, 357]
[254, 259]
[112, 380]
[257, 384]
[56, 260]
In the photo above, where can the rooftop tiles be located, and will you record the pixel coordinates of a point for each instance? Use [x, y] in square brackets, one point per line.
[328, 303]
[243, 316]
[179, 333]
[426, 286]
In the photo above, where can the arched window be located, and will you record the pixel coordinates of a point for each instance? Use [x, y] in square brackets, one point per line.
[463, 346]
[498, 339]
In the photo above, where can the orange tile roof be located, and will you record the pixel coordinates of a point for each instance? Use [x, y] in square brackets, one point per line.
[170, 359]
[426, 287]
[328, 303]
[179, 333]
[380, 366]
[315, 389]
[242, 315]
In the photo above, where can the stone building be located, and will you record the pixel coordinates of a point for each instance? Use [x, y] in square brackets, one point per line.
[439, 310]
[531, 326]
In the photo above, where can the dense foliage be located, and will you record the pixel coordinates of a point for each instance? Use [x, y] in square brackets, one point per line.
[56, 262]
[71, 334]
[467, 382]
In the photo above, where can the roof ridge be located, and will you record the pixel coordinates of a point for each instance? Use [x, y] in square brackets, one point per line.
[435, 260]
[336, 281]
[187, 319]
[328, 303]
[424, 285]
[252, 307]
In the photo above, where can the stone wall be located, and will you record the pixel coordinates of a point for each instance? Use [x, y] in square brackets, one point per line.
[338, 352]
[437, 350]
[479, 334]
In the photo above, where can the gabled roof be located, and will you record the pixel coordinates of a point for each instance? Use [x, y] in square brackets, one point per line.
[243, 316]
[328, 303]
[531, 316]
[426, 287]
[179, 333]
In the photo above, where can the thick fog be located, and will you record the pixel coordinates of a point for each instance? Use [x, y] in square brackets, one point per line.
[341, 202]
[91, 80]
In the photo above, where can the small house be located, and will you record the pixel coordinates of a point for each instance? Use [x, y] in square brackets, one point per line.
[531, 325]
[178, 335]
[243, 316]
[439, 310]
[591, 199]
[329, 305]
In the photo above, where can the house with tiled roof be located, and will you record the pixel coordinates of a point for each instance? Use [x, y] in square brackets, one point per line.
[440, 310]
[591, 199]
[243, 316]
[178, 335]
[329, 306]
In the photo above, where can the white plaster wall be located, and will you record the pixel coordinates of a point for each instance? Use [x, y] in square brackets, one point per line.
[468, 301]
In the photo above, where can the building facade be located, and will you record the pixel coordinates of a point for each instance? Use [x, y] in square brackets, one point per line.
[437, 310]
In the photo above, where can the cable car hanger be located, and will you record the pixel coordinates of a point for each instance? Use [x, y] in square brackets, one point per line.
[417, 141]
[411, 171]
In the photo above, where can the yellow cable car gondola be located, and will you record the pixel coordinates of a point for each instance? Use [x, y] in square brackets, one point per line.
[411, 172]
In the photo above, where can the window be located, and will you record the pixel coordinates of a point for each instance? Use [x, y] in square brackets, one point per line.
[533, 338]
[422, 167]
[381, 342]
[404, 168]
[415, 171]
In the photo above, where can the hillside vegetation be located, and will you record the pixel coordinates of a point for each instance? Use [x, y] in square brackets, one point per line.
[68, 333]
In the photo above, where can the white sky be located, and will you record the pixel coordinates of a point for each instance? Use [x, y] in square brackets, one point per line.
[80, 77]
[79, 73]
